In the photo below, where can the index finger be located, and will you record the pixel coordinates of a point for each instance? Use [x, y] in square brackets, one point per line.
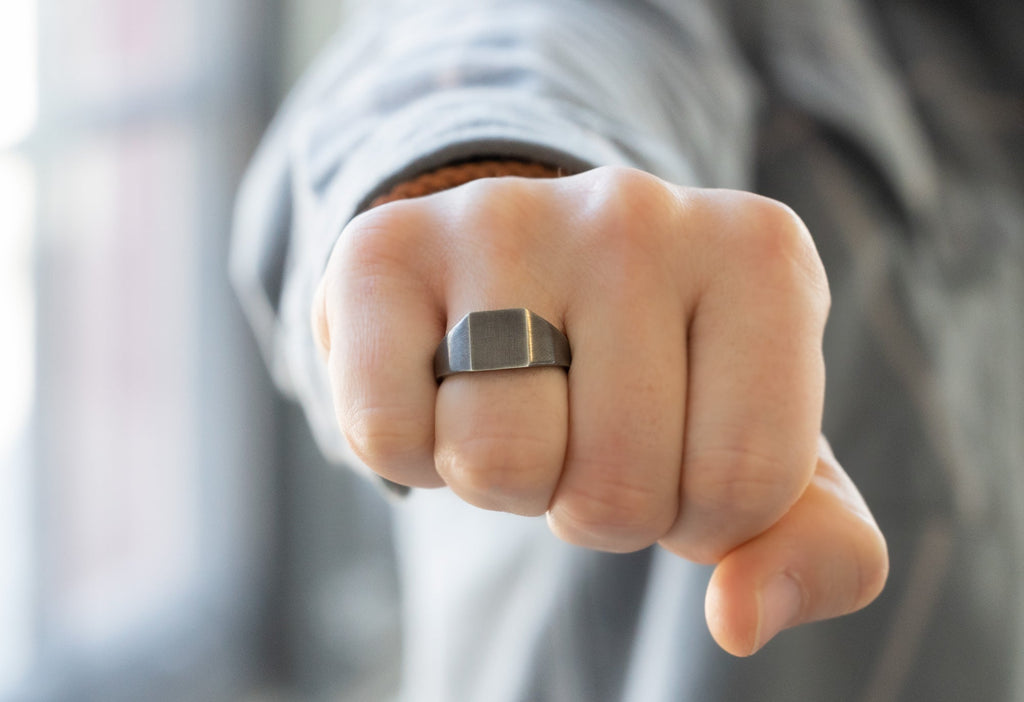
[756, 378]
[382, 324]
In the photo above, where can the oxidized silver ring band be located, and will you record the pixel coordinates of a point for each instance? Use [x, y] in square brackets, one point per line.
[499, 340]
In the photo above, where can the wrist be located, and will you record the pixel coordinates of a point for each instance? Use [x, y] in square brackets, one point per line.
[453, 175]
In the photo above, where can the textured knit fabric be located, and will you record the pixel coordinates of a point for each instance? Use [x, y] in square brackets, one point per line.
[895, 129]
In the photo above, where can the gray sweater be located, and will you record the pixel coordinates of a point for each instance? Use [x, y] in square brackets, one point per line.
[896, 131]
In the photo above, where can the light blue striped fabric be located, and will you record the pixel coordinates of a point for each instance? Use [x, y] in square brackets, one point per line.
[896, 130]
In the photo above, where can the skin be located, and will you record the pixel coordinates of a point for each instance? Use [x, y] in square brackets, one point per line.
[690, 417]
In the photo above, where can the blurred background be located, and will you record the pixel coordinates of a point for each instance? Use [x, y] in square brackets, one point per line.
[165, 532]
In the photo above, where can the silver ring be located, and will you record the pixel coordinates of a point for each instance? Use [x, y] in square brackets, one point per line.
[499, 340]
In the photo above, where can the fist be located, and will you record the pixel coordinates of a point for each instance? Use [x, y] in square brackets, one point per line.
[690, 416]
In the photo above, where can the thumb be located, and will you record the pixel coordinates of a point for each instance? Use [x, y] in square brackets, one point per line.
[824, 558]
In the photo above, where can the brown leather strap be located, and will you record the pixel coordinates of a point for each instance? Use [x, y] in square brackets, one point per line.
[457, 174]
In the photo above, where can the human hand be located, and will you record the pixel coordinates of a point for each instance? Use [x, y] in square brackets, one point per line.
[690, 416]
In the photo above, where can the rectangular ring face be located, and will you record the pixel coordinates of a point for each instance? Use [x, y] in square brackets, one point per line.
[499, 339]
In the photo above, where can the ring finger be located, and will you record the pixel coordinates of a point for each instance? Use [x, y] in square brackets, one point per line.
[500, 435]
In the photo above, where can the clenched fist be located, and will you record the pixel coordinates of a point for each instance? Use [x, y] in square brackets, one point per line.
[690, 416]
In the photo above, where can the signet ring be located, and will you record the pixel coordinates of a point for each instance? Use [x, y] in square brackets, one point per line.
[500, 340]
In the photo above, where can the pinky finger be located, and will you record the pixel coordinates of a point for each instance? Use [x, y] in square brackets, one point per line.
[826, 557]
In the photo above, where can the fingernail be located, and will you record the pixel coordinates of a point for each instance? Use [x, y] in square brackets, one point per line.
[781, 602]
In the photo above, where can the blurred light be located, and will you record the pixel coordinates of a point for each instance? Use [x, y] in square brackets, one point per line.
[17, 370]
[18, 80]
[117, 386]
[18, 86]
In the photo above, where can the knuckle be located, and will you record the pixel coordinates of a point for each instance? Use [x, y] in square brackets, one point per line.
[507, 473]
[753, 489]
[496, 192]
[629, 201]
[628, 221]
[383, 237]
[781, 248]
[485, 201]
[627, 181]
[612, 515]
[389, 440]
[507, 209]
[778, 237]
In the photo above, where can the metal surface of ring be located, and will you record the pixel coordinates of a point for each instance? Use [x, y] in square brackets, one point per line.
[499, 340]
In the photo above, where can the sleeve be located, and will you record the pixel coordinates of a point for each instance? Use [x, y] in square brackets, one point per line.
[409, 86]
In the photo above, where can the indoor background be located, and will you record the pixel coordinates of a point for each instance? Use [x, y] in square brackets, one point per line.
[165, 532]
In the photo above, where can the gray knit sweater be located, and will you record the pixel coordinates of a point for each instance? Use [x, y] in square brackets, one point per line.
[896, 130]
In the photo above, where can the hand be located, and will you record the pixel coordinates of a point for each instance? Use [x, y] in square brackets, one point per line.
[690, 416]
